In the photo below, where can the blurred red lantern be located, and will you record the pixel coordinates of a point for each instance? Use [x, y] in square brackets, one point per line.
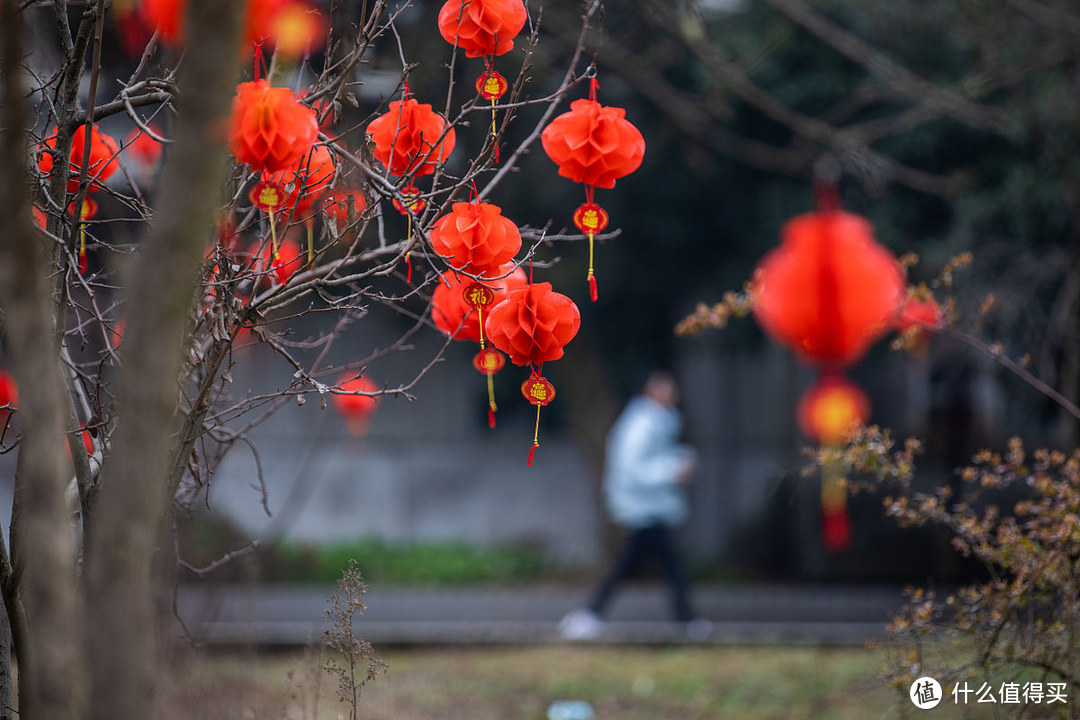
[482, 28]
[830, 290]
[269, 129]
[344, 205]
[356, 408]
[283, 262]
[305, 185]
[143, 147]
[103, 151]
[922, 313]
[475, 238]
[9, 392]
[411, 138]
[533, 324]
[290, 26]
[593, 145]
[489, 362]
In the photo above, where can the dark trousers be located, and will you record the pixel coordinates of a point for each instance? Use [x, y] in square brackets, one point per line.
[655, 540]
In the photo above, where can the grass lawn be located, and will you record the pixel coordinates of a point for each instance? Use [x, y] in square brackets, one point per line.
[748, 683]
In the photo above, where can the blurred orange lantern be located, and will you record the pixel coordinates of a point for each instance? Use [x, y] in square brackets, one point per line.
[482, 28]
[103, 150]
[356, 402]
[830, 290]
[593, 145]
[831, 409]
[270, 130]
[296, 29]
[475, 238]
[411, 138]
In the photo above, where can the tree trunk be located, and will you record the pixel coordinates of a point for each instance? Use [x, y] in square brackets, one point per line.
[133, 498]
[51, 681]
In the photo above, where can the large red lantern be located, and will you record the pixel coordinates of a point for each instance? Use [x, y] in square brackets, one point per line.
[475, 238]
[532, 325]
[830, 290]
[356, 402]
[103, 151]
[593, 145]
[269, 130]
[482, 28]
[411, 138]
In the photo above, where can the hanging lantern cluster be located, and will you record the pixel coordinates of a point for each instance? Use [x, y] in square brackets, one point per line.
[100, 167]
[457, 309]
[828, 292]
[595, 146]
[484, 29]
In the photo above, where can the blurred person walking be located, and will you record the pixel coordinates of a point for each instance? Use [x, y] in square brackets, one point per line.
[646, 470]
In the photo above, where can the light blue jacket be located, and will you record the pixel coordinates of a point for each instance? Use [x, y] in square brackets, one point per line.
[643, 465]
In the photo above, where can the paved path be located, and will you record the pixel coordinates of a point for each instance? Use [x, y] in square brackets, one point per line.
[759, 614]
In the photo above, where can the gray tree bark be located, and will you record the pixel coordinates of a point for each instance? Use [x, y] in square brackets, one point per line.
[51, 681]
[132, 497]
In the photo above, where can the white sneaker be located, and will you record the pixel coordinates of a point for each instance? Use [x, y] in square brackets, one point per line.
[581, 624]
[698, 630]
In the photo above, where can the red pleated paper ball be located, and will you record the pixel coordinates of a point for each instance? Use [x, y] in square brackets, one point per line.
[409, 138]
[475, 238]
[533, 324]
[482, 28]
[269, 129]
[830, 290]
[593, 144]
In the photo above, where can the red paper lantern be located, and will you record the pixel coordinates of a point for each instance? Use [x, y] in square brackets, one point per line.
[453, 315]
[593, 144]
[305, 183]
[475, 238]
[345, 205]
[269, 129]
[482, 28]
[829, 291]
[831, 409]
[356, 409]
[103, 151]
[143, 147]
[411, 138]
[281, 263]
[533, 324]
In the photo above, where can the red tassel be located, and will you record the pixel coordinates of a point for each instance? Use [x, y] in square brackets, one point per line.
[491, 418]
[495, 153]
[592, 288]
[408, 268]
[532, 451]
[83, 264]
[836, 530]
